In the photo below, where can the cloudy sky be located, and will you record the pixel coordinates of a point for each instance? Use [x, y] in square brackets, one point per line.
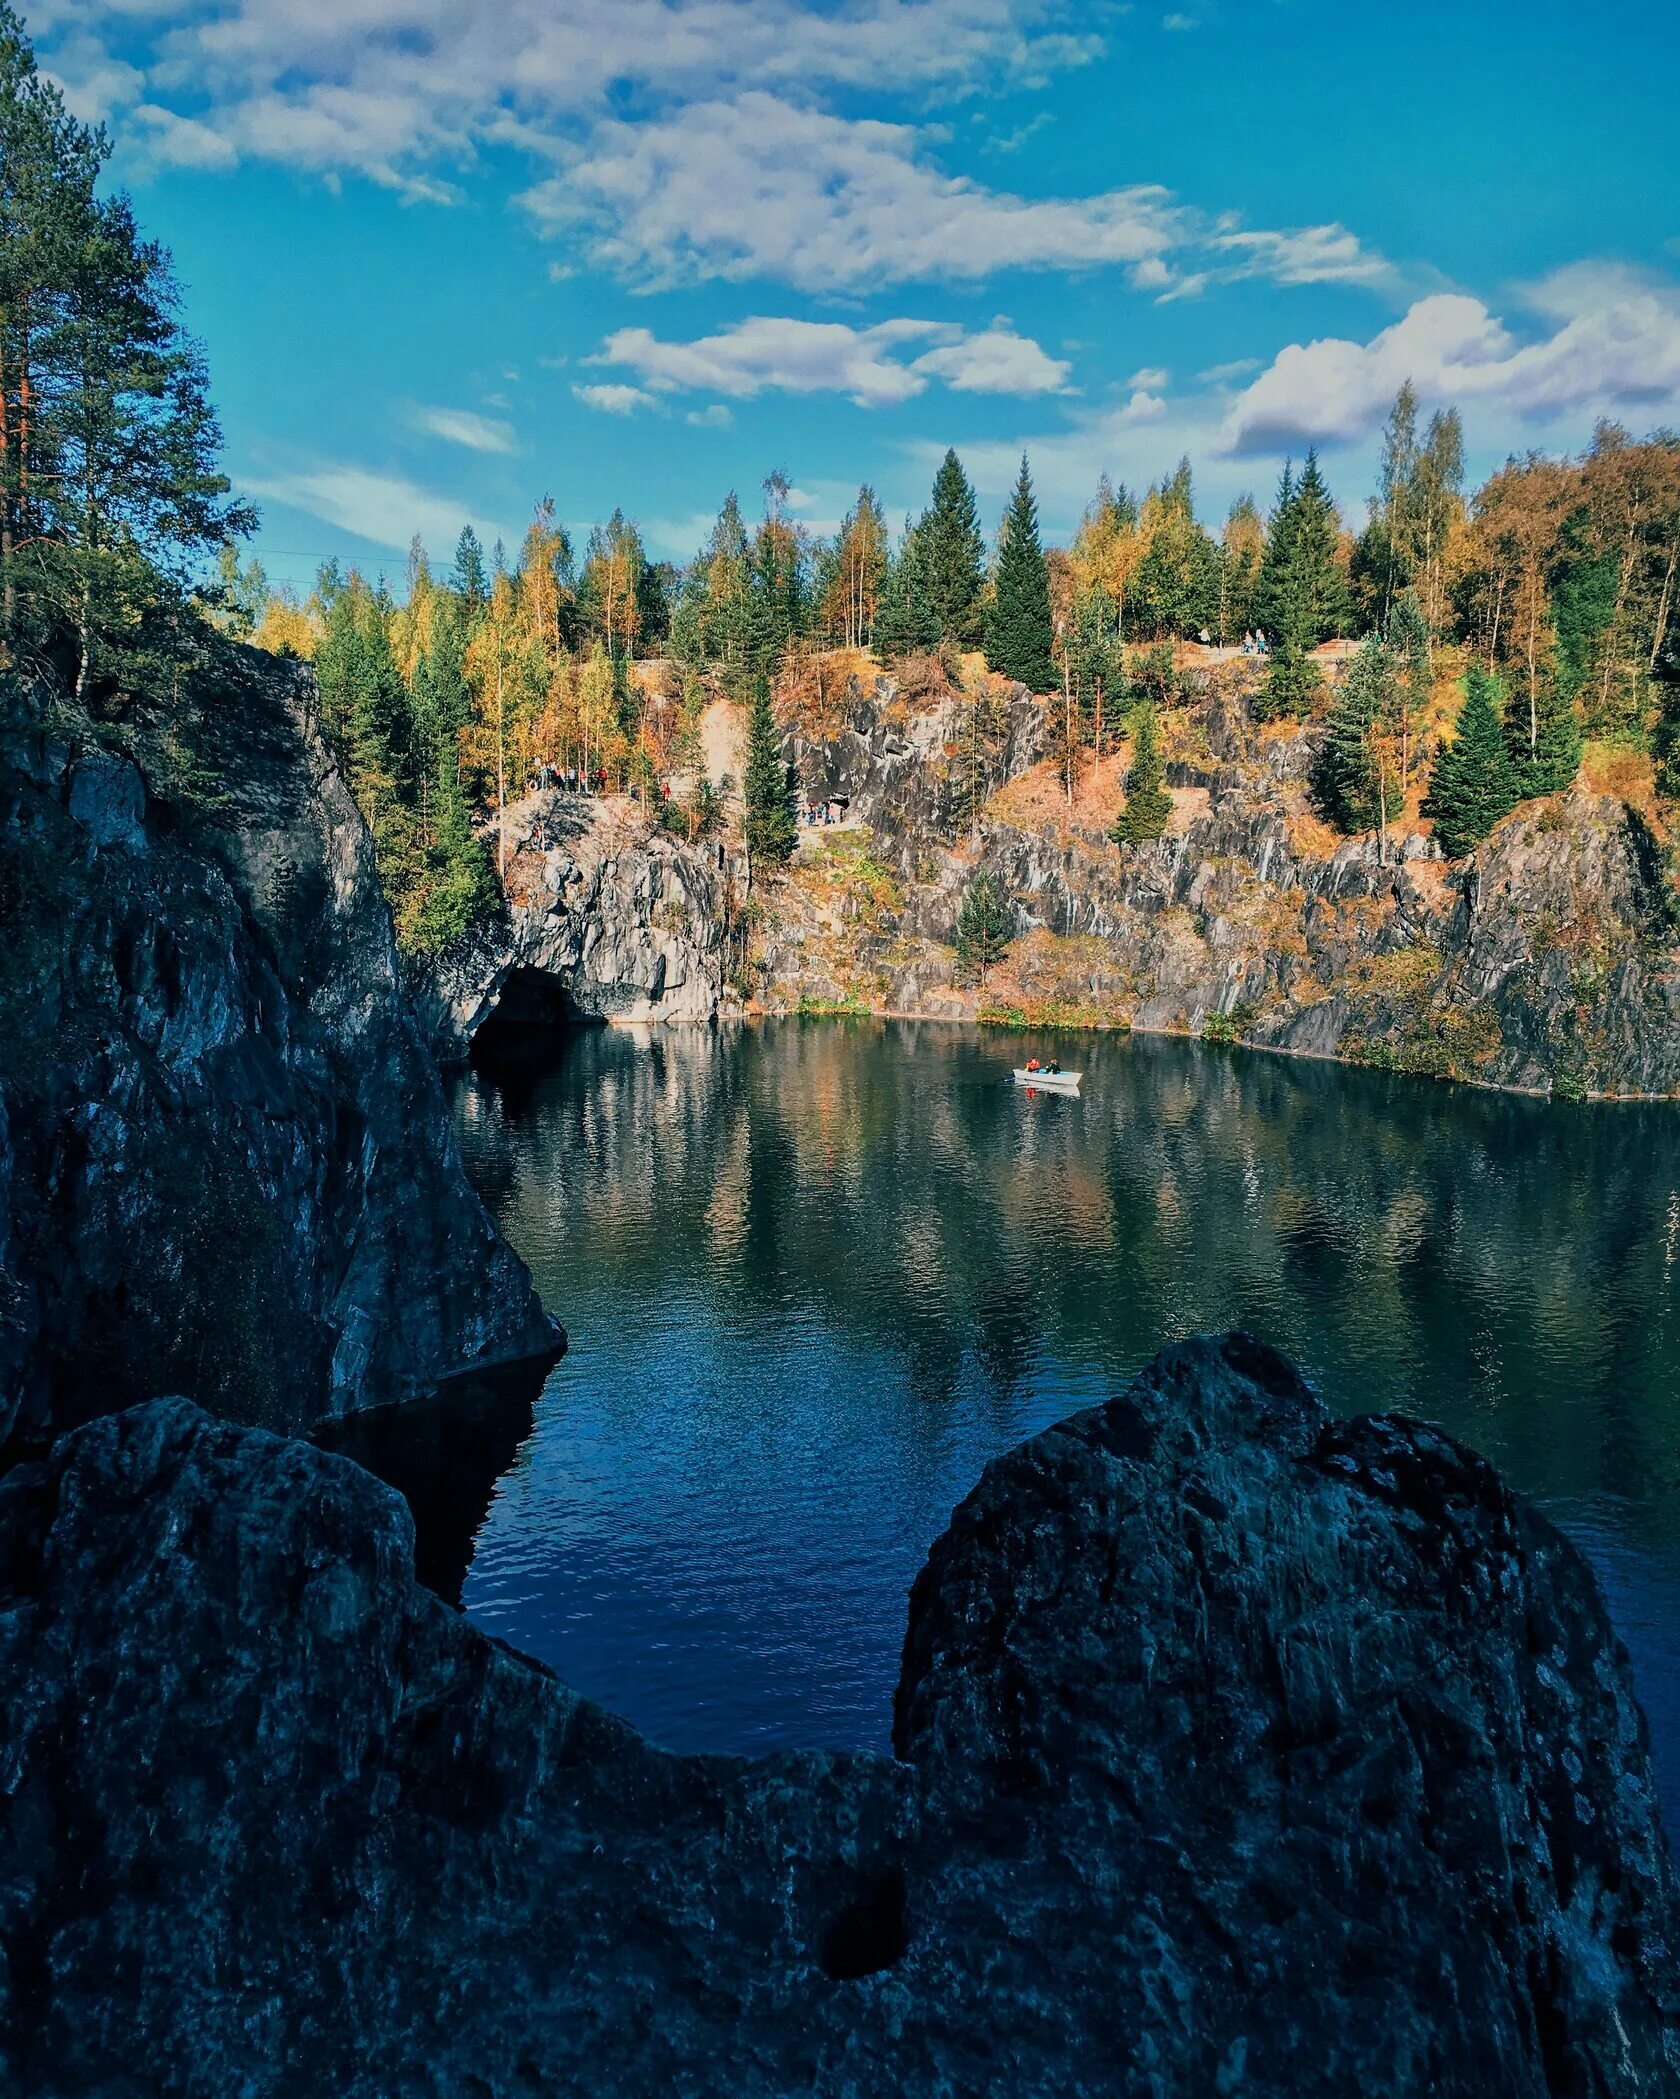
[450, 255]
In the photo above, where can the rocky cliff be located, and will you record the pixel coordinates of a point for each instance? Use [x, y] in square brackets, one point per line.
[607, 918]
[225, 1161]
[1238, 1751]
[1547, 961]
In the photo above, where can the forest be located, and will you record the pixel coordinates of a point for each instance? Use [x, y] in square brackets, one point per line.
[1547, 595]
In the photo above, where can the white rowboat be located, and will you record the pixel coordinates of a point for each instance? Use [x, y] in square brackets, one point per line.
[1051, 1081]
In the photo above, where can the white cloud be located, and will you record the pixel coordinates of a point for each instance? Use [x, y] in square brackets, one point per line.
[384, 508]
[1223, 374]
[996, 362]
[764, 187]
[1180, 22]
[1013, 141]
[615, 400]
[460, 426]
[733, 166]
[390, 88]
[1309, 255]
[1152, 378]
[1614, 344]
[716, 417]
[765, 354]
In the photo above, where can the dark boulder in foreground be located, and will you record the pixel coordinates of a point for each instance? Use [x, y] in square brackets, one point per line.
[1242, 1752]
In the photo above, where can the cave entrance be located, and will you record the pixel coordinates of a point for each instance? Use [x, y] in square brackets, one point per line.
[531, 1008]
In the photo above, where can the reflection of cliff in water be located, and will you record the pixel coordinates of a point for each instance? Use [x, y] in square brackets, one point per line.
[444, 1455]
[1496, 1263]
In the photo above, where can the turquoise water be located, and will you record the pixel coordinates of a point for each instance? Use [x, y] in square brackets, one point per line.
[816, 1273]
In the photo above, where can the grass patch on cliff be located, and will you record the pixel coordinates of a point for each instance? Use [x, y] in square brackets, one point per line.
[843, 874]
[1402, 973]
[1231, 1025]
[1048, 1013]
[1448, 1042]
[811, 1006]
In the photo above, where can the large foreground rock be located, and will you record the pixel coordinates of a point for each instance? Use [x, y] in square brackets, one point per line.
[1240, 1752]
[226, 1166]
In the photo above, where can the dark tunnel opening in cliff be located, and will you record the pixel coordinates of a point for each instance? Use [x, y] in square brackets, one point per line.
[531, 1009]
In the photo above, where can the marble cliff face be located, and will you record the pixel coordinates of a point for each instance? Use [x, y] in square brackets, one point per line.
[225, 1161]
[1238, 1750]
[1546, 961]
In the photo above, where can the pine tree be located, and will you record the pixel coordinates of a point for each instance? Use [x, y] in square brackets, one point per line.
[1356, 774]
[1019, 633]
[1301, 594]
[1291, 687]
[109, 493]
[1240, 548]
[1148, 806]
[468, 581]
[771, 825]
[1408, 643]
[1095, 660]
[1175, 587]
[1471, 786]
[775, 610]
[1666, 738]
[983, 929]
[722, 622]
[952, 555]
[980, 726]
[905, 622]
[1545, 747]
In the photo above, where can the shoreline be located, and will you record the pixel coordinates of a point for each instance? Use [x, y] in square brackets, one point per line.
[1111, 1027]
[1105, 1027]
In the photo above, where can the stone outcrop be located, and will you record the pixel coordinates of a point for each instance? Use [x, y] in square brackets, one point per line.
[226, 1165]
[1239, 1750]
[888, 762]
[607, 918]
[1548, 960]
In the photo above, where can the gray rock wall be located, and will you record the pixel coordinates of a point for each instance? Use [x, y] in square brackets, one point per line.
[624, 921]
[1548, 959]
[225, 1160]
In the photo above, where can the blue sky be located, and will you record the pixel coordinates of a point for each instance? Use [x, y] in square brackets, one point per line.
[447, 257]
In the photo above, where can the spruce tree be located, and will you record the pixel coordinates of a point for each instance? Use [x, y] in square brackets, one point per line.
[1019, 633]
[1471, 786]
[1148, 806]
[983, 929]
[953, 555]
[468, 582]
[1291, 687]
[771, 825]
[1356, 774]
[1270, 588]
[905, 624]
[1301, 596]
[1544, 739]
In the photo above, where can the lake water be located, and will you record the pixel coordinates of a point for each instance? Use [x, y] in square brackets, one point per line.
[816, 1273]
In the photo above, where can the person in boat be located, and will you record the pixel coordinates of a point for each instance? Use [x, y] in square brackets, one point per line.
[1032, 1064]
[1051, 1068]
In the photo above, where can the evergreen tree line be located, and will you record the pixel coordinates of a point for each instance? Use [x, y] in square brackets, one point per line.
[601, 667]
